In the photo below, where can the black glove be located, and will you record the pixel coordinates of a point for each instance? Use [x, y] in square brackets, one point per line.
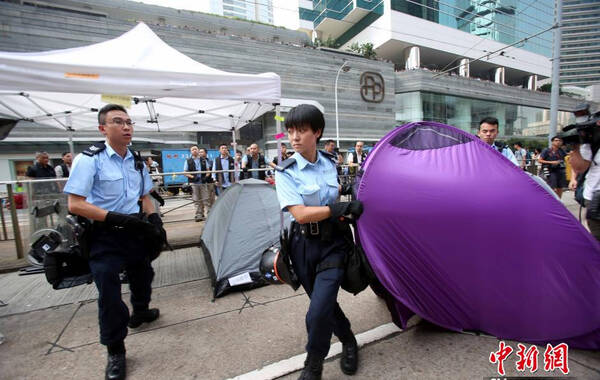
[341, 210]
[128, 222]
[157, 196]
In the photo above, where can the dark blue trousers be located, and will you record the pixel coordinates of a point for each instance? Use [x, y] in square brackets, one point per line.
[324, 315]
[111, 252]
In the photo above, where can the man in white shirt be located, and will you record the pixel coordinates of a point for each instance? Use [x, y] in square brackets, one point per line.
[355, 159]
[581, 160]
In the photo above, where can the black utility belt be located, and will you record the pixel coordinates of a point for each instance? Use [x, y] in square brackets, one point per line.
[322, 230]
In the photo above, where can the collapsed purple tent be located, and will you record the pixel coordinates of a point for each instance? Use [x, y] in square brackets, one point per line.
[465, 239]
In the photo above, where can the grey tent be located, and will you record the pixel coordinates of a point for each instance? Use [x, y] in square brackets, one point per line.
[243, 223]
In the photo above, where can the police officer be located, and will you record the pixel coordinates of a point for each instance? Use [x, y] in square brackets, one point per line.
[488, 131]
[307, 187]
[110, 186]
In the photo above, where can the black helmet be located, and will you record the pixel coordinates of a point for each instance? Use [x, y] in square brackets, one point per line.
[44, 241]
[277, 269]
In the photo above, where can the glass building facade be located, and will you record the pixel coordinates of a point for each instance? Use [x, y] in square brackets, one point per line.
[466, 113]
[580, 48]
[505, 21]
[258, 10]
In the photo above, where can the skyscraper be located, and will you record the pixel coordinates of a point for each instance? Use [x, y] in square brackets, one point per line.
[580, 48]
[255, 10]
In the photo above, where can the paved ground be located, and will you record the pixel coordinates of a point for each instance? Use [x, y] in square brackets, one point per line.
[54, 334]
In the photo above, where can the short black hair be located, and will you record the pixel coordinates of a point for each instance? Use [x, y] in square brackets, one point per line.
[202, 148]
[65, 153]
[224, 144]
[555, 137]
[329, 142]
[306, 114]
[106, 109]
[519, 144]
[488, 120]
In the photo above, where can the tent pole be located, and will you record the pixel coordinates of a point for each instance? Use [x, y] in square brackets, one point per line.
[234, 143]
[69, 123]
[278, 121]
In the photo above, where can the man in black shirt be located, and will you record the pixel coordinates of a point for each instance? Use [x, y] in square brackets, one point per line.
[41, 169]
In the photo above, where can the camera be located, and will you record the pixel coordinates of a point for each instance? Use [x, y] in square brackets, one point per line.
[586, 130]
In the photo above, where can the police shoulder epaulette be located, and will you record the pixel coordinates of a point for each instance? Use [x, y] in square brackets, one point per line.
[94, 149]
[329, 156]
[285, 164]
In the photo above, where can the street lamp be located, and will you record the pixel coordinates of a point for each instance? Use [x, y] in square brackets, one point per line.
[345, 67]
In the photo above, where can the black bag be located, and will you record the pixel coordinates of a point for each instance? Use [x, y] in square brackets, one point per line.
[593, 210]
[579, 189]
[65, 269]
[358, 273]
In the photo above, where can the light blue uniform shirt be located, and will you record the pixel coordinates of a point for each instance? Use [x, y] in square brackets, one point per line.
[506, 152]
[108, 181]
[306, 183]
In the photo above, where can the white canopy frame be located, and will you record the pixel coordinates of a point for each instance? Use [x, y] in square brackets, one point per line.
[167, 91]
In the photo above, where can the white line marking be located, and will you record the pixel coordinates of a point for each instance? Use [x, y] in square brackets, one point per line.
[296, 363]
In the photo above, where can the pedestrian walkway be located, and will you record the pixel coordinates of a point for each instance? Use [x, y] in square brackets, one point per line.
[246, 335]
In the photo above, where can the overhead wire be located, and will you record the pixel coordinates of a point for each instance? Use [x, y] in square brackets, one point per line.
[488, 55]
[470, 21]
[483, 4]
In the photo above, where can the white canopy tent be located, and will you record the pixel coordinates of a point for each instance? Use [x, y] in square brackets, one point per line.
[165, 89]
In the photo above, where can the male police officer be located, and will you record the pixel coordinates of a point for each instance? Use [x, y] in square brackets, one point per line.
[105, 185]
[488, 131]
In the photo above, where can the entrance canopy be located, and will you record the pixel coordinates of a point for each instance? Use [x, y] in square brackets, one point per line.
[163, 88]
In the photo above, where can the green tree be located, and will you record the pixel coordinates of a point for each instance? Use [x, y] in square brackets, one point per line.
[366, 50]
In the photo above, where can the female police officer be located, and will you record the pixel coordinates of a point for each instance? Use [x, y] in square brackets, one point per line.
[307, 187]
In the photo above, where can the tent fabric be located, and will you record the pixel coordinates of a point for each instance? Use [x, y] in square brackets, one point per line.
[137, 62]
[242, 224]
[462, 237]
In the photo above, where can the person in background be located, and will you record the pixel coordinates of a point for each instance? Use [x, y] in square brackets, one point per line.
[41, 168]
[356, 159]
[520, 154]
[237, 165]
[63, 170]
[202, 186]
[554, 159]
[535, 156]
[284, 156]
[224, 162]
[254, 160]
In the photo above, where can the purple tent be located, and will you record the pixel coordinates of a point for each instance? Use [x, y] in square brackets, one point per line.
[462, 237]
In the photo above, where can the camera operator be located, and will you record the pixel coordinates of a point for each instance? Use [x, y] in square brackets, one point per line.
[554, 159]
[109, 184]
